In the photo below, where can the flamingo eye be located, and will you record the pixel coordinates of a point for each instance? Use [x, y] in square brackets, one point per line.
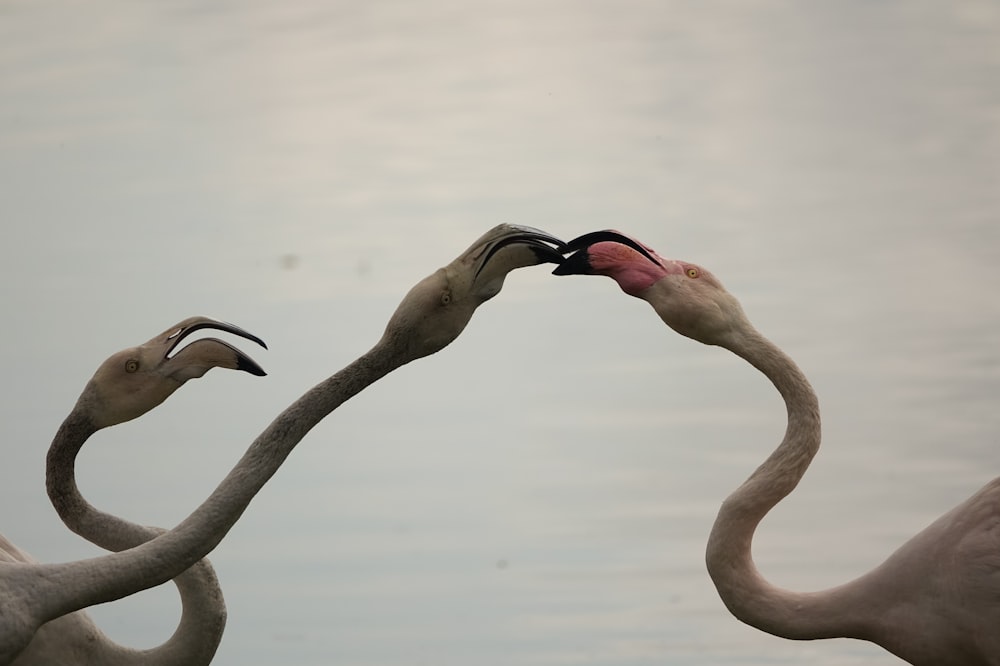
[131, 365]
[445, 297]
[693, 272]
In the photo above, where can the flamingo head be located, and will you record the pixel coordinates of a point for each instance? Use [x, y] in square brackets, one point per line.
[135, 380]
[687, 297]
[437, 309]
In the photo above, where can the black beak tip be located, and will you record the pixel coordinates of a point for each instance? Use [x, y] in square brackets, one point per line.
[575, 264]
[547, 255]
[562, 269]
[247, 364]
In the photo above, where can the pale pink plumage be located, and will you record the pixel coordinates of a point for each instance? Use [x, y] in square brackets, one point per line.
[934, 602]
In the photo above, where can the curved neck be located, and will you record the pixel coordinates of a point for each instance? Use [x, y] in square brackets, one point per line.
[826, 614]
[60, 483]
[203, 608]
[47, 591]
[163, 558]
[37, 593]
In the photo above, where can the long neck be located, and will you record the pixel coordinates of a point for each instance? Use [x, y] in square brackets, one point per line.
[203, 608]
[827, 614]
[209, 522]
[62, 588]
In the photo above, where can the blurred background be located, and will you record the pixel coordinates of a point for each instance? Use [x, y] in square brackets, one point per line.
[541, 491]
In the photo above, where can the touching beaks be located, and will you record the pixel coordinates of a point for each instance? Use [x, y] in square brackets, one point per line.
[543, 247]
[578, 263]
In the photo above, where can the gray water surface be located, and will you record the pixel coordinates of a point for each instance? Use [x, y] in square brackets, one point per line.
[540, 492]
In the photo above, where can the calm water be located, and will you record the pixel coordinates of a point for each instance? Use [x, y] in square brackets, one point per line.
[540, 492]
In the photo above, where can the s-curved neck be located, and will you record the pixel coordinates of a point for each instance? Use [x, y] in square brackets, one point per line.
[43, 592]
[751, 598]
[203, 608]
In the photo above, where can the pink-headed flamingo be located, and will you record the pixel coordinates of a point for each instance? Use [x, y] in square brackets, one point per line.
[934, 602]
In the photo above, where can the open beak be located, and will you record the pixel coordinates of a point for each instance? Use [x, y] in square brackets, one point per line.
[578, 263]
[201, 355]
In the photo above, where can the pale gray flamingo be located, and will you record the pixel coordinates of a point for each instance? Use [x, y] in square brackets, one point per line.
[127, 385]
[431, 315]
[934, 602]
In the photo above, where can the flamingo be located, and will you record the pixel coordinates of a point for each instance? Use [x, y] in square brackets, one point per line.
[433, 313]
[934, 602]
[141, 374]
[127, 385]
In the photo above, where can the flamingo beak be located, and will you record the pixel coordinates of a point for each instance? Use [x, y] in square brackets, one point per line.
[578, 263]
[217, 352]
[503, 249]
[542, 247]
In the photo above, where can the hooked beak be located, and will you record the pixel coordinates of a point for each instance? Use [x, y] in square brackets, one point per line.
[504, 248]
[578, 263]
[201, 355]
[533, 246]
